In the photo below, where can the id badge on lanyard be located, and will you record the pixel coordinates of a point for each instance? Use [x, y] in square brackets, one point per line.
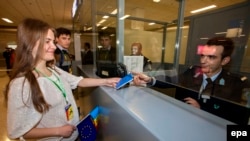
[68, 108]
[69, 111]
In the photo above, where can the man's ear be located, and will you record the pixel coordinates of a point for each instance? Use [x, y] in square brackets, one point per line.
[225, 60]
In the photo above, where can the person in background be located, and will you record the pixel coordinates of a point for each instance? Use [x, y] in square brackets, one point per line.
[40, 103]
[106, 52]
[87, 55]
[136, 50]
[62, 55]
[209, 78]
[9, 55]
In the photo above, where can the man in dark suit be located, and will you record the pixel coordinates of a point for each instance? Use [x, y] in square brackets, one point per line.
[106, 52]
[62, 55]
[87, 55]
[209, 78]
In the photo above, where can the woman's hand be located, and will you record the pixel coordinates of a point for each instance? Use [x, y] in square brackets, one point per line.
[111, 82]
[66, 130]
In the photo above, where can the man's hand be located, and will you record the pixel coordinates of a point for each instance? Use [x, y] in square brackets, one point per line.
[192, 102]
[140, 79]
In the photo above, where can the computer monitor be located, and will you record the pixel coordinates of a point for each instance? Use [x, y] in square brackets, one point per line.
[107, 69]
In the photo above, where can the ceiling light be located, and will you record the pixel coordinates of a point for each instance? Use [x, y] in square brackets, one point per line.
[12, 46]
[124, 17]
[174, 28]
[7, 20]
[156, 0]
[89, 28]
[102, 21]
[105, 17]
[203, 9]
[104, 27]
[151, 23]
[114, 12]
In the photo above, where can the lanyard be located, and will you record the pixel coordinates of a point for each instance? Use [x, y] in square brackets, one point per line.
[58, 83]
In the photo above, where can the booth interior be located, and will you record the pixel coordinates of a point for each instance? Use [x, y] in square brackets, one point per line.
[169, 60]
[141, 113]
[170, 37]
[149, 113]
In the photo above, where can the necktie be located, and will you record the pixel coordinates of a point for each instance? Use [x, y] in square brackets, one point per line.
[208, 89]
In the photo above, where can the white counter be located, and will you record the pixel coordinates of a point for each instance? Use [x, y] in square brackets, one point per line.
[140, 113]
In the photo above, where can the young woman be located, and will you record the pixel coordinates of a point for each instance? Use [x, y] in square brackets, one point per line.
[40, 100]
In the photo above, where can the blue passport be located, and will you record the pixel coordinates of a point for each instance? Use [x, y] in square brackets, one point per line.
[125, 80]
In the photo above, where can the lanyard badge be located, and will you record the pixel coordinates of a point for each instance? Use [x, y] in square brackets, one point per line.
[69, 111]
[68, 108]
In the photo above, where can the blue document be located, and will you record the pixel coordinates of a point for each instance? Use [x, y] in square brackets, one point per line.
[125, 80]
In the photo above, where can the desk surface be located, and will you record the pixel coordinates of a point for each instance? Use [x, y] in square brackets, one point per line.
[165, 117]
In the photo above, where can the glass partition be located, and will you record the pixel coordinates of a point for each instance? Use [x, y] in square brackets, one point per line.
[147, 25]
[155, 26]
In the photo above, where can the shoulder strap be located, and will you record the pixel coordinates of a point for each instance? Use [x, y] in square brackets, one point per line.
[61, 57]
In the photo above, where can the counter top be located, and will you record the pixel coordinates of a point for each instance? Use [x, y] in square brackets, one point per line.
[165, 117]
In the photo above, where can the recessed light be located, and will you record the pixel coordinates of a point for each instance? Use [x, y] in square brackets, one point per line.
[7, 20]
[114, 12]
[105, 17]
[124, 17]
[203, 9]
[156, 0]
[104, 27]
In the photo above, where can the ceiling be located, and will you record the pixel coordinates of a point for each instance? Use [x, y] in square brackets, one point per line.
[58, 12]
[55, 12]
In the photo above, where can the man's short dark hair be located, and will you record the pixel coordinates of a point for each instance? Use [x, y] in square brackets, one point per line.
[227, 44]
[104, 34]
[87, 45]
[62, 31]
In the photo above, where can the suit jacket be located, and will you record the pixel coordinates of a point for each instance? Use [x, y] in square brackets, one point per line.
[65, 60]
[87, 58]
[106, 55]
[227, 85]
[146, 63]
